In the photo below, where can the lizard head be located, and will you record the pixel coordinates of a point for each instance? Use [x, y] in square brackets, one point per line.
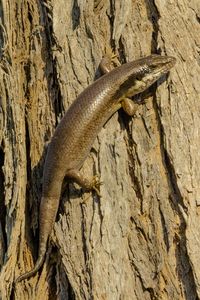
[144, 72]
[152, 67]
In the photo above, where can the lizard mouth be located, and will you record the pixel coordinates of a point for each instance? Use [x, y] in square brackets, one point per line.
[162, 64]
[160, 67]
[171, 61]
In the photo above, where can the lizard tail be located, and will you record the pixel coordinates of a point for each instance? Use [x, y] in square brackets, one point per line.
[27, 275]
[48, 211]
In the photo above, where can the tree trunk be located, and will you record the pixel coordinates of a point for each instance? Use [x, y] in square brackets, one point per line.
[141, 239]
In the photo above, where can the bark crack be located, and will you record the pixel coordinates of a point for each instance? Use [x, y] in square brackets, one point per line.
[53, 82]
[154, 16]
[182, 258]
[75, 15]
[3, 236]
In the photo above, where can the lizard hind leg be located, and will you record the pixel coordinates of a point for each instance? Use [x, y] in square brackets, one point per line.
[88, 184]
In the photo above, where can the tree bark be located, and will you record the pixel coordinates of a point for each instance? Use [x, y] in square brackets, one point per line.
[141, 239]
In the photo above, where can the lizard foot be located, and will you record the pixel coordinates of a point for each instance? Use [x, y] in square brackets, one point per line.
[86, 183]
[109, 61]
[95, 184]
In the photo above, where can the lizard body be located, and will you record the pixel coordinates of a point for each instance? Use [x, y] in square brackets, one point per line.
[74, 136]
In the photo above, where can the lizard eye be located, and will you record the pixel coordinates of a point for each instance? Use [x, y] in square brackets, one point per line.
[146, 69]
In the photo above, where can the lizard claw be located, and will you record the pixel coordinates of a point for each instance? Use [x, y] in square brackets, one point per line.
[111, 55]
[96, 183]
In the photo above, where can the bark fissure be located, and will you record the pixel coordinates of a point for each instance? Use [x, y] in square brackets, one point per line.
[154, 16]
[75, 15]
[3, 235]
[136, 270]
[176, 200]
[164, 229]
[53, 82]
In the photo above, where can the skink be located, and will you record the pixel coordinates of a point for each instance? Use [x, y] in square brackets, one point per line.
[74, 136]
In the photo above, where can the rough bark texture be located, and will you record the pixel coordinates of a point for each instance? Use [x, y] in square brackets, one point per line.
[141, 239]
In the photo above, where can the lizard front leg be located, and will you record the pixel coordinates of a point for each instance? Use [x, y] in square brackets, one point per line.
[129, 106]
[107, 64]
[109, 61]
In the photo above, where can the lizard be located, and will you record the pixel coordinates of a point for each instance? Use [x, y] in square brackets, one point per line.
[77, 130]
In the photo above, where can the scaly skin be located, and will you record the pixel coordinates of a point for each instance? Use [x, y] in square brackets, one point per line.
[74, 136]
